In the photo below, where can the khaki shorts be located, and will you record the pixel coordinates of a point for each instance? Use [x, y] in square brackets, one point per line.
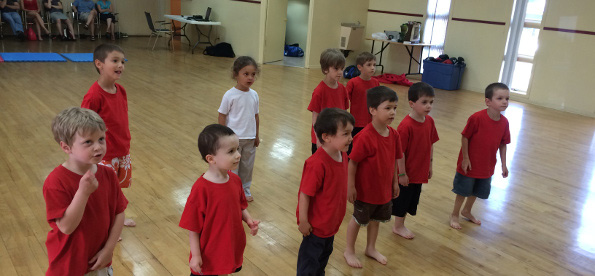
[106, 271]
[364, 212]
[123, 169]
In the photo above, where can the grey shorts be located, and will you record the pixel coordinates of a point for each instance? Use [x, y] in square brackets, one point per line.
[364, 212]
[55, 16]
[83, 16]
[468, 186]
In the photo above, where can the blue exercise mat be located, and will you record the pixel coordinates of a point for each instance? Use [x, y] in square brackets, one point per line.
[32, 57]
[79, 57]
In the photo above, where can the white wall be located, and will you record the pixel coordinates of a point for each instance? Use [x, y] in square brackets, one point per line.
[297, 22]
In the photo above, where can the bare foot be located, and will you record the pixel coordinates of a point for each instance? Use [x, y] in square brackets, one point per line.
[129, 222]
[454, 222]
[374, 254]
[403, 232]
[470, 217]
[120, 239]
[249, 199]
[352, 260]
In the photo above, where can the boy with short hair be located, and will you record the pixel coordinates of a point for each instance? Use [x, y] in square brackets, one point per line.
[109, 100]
[216, 207]
[356, 90]
[418, 135]
[84, 204]
[486, 132]
[323, 191]
[329, 92]
[373, 179]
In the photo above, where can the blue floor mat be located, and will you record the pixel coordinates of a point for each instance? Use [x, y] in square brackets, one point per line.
[79, 57]
[32, 57]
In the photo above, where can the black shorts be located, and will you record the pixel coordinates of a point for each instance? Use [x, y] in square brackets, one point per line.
[105, 16]
[407, 201]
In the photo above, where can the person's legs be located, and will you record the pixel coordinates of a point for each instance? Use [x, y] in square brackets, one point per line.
[70, 28]
[90, 22]
[59, 27]
[311, 255]
[15, 22]
[467, 210]
[399, 211]
[454, 216]
[246, 166]
[349, 254]
[462, 186]
[371, 242]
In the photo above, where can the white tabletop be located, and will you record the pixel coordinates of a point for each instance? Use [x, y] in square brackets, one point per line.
[183, 19]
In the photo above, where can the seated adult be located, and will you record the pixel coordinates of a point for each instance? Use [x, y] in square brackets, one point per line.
[106, 14]
[86, 13]
[57, 16]
[33, 11]
[10, 14]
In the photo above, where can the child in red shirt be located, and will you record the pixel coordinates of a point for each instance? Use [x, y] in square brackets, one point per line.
[109, 100]
[216, 207]
[329, 92]
[84, 204]
[418, 135]
[323, 191]
[356, 91]
[486, 132]
[373, 179]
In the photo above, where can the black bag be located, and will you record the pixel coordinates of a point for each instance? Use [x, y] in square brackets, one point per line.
[351, 72]
[222, 49]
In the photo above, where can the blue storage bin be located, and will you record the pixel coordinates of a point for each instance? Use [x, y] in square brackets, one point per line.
[442, 75]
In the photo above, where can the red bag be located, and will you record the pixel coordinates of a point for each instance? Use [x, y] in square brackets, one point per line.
[31, 34]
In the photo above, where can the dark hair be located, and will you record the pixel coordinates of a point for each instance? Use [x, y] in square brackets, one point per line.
[364, 57]
[379, 94]
[418, 90]
[331, 57]
[242, 62]
[102, 51]
[489, 93]
[208, 139]
[328, 121]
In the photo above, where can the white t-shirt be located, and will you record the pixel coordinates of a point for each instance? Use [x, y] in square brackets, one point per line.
[240, 108]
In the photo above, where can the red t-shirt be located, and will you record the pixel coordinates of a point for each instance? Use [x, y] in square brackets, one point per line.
[325, 181]
[325, 97]
[356, 91]
[376, 156]
[416, 142]
[485, 137]
[214, 211]
[113, 109]
[70, 254]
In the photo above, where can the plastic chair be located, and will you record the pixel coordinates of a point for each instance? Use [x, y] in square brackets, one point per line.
[158, 32]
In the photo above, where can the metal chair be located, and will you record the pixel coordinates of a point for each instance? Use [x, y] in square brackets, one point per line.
[75, 20]
[43, 14]
[116, 20]
[158, 32]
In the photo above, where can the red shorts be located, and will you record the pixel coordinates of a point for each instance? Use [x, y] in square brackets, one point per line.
[123, 169]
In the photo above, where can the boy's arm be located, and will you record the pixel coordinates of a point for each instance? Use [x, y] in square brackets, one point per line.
[431, 161]
[314, 117]
[74, 212]
[257, 140]
[503, 160]
[466, 163]
[253, 224]
[196, 261]
[400, 176]
[304, 226]
[104, 256]
[351, 192]
[222, 120]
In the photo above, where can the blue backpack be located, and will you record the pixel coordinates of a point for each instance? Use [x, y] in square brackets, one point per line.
[293, 50]
[351, 72]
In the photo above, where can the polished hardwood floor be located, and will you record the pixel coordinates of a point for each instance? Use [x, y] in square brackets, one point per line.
[539, 221]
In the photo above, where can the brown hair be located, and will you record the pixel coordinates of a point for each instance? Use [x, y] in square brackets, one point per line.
[242, 62]
[102, 51]
[364, 57]
[75, 120]
[331, 58]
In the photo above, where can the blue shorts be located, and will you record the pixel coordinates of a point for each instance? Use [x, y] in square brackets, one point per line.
[468, 186]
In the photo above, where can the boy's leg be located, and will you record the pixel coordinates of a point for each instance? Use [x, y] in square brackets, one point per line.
[467, 210]
[311, 253]
[326, 253]
[123, 168]
[371, 243]
[454, 216]
[399, 211]
[349, 254]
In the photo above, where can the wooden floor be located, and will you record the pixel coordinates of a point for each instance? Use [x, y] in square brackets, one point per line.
[539, 221]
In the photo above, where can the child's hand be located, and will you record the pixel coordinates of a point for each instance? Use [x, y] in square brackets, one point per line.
[88, 183]
[403, 180]
[504, 171]
[396, 190]
[257, 141]
[101, 259]
[196, 263]
[351, 194]
[466, 165]
[253, 224]
[305, 228]
[430, 173]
